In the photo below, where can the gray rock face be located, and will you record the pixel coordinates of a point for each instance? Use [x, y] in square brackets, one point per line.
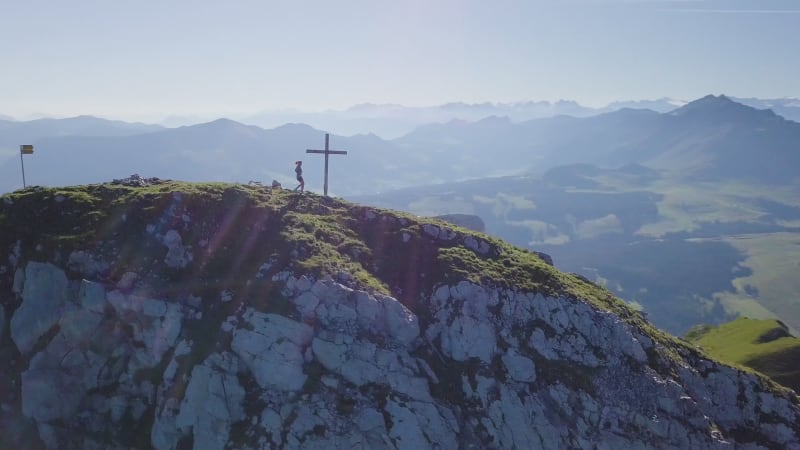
[43, 297]
[178, 256]
[86, 263]
[470, 367]
[94, 367]
[213, 401]
[272, 346]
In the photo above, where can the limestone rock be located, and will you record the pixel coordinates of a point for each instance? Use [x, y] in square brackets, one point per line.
[177, 256]
[213, 401]
[471, 366]
[519, 367]
[86, 263]
[272, 346]
[43, 298]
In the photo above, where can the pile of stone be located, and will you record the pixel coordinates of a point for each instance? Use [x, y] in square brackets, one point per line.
[137, 180]
[275, 184]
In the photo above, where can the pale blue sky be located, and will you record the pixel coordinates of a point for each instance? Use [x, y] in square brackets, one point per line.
[144, 59]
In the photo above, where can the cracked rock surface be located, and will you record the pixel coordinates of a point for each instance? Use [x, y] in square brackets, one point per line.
[470, 366]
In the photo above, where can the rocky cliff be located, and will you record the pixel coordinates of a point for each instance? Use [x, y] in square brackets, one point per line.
[217, 316]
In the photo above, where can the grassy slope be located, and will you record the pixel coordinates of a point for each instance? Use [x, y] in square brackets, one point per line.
[246, 226]
[762, 345]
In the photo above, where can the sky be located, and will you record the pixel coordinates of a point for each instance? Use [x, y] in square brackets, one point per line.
[146, 59]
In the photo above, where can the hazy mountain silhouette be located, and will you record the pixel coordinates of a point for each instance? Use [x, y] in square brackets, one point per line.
[218, 150]
[13, 133]
[711, 138]
[391, 121]
[714, 137]
[659, 105]
[788, 108]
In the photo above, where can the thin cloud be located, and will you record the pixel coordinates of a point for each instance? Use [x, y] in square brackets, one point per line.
[734, 11]
[701, 6]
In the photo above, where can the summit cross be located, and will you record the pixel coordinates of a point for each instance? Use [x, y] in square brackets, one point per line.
[327, 152]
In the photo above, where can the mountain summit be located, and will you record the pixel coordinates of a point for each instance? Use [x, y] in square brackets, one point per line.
[214, 316]
[721, 108]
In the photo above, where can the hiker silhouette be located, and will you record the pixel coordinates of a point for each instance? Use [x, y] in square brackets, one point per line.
[298, 169]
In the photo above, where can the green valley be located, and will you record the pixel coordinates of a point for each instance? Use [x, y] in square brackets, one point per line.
[684, 250]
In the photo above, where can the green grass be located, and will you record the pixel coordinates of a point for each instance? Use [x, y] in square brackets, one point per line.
[686, 206]
[774, 259]
[772, 289]
[762, 345]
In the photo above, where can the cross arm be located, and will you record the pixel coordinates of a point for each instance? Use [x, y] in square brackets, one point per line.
[331, 152]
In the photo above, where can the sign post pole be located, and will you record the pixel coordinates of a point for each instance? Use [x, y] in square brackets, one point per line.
[26, 149]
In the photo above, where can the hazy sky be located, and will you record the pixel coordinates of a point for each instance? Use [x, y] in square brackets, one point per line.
[148, 59]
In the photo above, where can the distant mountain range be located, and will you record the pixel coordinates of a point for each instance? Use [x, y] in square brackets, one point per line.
[392, 121]
[711, 137]
[14, 133]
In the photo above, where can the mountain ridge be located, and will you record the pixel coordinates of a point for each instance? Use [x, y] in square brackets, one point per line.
[135, 312]
[393, 120]
[721, 107]
[709, 142]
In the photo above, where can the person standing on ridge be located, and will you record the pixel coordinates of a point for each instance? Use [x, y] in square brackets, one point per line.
[298, 169]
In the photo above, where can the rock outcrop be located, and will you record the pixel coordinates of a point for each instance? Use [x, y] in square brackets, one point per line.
[342, 368]
[109, 355]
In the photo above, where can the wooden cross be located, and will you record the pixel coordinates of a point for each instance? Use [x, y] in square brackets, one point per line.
[327, 152]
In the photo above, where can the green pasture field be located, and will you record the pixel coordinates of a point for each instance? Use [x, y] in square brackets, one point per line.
[772, 289]
[762, 345]
[774, 259]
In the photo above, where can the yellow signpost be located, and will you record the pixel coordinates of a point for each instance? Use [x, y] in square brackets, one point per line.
[26, 149]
